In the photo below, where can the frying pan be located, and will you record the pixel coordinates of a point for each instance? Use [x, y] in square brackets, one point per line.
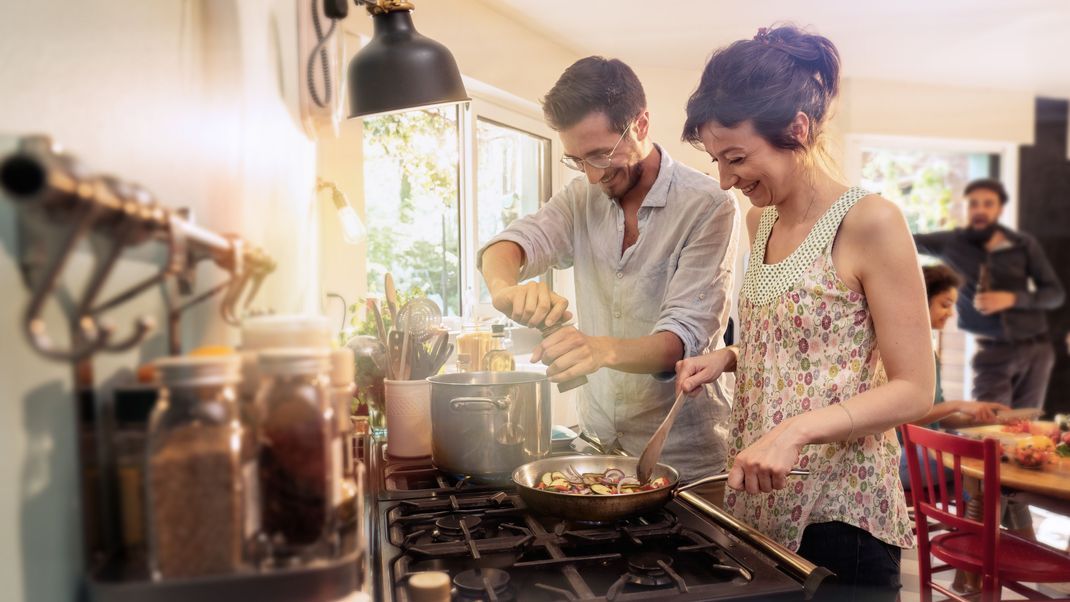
[602, 508]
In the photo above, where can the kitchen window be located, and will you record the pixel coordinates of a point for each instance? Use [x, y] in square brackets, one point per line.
[412, 203]
[440, 183]
[926, 179]
[510, 180]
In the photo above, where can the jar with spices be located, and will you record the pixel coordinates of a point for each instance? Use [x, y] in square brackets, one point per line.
[296, 426]
[194, 485]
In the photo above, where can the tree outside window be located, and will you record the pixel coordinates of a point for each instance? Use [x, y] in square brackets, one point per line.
[411, 166]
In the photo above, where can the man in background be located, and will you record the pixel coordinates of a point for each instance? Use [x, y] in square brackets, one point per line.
[1008, 286]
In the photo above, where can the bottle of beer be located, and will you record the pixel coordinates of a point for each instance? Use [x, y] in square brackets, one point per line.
[984, 279]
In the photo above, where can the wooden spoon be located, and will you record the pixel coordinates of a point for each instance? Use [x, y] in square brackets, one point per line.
[652, 451]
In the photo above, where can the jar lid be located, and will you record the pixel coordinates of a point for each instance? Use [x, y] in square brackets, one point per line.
[294, 361]
[200, 370]
[429, 586]
[343, 367]
[266, 332]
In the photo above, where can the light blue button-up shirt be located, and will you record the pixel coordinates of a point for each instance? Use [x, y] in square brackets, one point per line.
[676, 278]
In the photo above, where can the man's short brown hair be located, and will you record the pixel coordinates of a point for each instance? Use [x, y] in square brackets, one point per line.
[595, 84]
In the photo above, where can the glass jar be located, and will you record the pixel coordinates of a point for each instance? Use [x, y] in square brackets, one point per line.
[194, 485]
[344, 493]
[250, 450]
[296, 423]
[133, 407]
[499, 358]
[474, 342]
[371, 360]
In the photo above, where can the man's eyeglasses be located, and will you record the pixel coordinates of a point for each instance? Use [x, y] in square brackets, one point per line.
[595, 161]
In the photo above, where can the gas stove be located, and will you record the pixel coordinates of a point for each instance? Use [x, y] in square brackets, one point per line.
[495, 549]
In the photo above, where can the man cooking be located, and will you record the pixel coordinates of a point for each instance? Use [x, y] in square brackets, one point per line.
[653, 246]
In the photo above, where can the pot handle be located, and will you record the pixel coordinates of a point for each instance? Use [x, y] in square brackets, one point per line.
[796, 472]
[478, 404]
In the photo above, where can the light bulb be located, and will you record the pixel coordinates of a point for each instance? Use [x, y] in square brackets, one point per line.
[353, 230]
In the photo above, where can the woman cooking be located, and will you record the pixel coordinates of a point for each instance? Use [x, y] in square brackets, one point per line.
[835, 348]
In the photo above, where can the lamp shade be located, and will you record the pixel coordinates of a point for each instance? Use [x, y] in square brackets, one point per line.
[401, 69]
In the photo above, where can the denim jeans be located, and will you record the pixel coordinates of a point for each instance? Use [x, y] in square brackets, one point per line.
[866, 568]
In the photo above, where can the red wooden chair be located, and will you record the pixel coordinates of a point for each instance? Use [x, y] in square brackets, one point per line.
[1002, 559]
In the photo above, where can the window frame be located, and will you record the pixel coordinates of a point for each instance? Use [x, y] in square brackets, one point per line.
[1007, 151]
[509, 111]
[1008, 174]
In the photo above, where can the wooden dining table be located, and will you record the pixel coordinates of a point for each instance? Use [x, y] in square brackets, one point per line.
[1050, 488]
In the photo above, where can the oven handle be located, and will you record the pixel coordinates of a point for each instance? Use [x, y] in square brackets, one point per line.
[802, 569]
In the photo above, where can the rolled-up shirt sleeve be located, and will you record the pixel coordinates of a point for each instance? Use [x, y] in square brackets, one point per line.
[696, 303]
[545, 236]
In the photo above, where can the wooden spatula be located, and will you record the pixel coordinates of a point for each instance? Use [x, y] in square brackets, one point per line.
[652, 451]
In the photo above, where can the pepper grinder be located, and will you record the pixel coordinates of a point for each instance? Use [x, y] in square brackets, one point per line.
[568, 385]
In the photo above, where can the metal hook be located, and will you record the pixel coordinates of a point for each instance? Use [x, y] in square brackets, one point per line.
[174, 316]
[263, 266]
[86, 336]
[126, 234]
[239, 279]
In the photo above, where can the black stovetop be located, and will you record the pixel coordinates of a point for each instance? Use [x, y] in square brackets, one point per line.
[494, 548]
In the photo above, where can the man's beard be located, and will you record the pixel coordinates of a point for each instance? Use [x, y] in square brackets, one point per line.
[633, 173]
[980, 236]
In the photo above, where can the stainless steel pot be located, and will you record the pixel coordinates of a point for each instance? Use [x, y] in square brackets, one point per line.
[486, 424]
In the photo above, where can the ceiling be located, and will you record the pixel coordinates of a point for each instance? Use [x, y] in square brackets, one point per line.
[996, 44]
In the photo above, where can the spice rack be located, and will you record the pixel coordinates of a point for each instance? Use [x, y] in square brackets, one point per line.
[60, 206]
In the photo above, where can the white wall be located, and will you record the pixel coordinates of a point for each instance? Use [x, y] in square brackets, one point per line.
[182, 96]
[922, 110]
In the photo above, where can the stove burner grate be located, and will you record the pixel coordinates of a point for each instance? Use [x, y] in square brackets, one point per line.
[647, 569]
[475, 584]
[453, 528]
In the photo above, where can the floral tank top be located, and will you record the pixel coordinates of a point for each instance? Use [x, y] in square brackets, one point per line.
[807, 341]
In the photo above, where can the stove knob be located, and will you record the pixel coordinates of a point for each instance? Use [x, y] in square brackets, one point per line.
[429, 586]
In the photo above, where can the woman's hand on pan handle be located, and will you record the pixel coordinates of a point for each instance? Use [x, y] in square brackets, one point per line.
[693, 372]
[764, 466]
